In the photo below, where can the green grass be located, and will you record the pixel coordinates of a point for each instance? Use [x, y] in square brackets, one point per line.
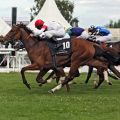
[81, 103]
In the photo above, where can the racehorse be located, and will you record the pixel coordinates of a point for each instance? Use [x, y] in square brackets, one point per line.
[115, 45]
[83, 53]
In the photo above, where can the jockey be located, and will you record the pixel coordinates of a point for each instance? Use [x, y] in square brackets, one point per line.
[102, 34]
[77, 31]
[49, 29]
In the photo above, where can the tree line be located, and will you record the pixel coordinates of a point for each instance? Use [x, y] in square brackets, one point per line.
[66, 8]
[114, 24]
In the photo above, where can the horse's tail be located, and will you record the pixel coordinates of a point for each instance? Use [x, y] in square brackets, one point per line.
[113, 59]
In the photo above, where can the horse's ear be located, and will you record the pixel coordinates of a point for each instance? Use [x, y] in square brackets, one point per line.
[14, 25]
[21, 23]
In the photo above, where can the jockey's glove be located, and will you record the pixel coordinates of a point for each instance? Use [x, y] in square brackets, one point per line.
[98, 42]
[42, 35]
[92, 38]
[31, 34]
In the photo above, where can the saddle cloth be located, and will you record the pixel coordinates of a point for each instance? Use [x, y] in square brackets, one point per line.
[62, 46]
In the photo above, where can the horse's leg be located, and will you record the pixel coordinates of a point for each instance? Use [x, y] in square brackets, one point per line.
[112, 76]
[90, 70]
[29, 67]
[40, 75]
[114, 70]
[106, 77]
[56, 75]
[74, 67]
[61, 76]
[50, 77]
[101, 77]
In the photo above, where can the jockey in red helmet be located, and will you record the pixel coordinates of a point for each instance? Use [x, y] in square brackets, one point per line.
[49, 29]
[39, 23]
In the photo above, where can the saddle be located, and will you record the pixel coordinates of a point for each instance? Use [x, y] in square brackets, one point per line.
[59, 48]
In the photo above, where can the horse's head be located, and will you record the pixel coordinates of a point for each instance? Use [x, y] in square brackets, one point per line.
[16, 32]
[13, 34]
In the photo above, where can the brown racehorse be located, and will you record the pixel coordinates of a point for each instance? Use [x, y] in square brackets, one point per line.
[20, 45]
[52, 75]
[83, 53]
[115, 45]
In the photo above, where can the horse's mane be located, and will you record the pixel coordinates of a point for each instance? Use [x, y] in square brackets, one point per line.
[28, 30]
[21, 25]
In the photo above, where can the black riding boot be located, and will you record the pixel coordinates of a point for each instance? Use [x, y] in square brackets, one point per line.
[54, 39]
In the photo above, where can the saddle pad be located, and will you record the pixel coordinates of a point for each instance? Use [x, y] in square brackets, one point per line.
[60, 47]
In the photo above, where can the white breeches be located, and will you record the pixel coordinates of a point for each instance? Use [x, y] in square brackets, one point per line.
[104, 38]
[56, 33]
[84, 35]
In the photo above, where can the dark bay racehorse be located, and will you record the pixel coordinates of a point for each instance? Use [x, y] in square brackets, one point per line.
[83, 53]
[115, 45]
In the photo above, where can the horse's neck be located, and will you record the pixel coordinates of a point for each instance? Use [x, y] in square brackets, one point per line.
[27, 40]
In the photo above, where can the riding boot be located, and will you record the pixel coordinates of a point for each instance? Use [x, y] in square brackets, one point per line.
[54, 39]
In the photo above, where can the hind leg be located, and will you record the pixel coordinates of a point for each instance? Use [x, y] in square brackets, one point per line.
[106, 77]
[74, 67]
[101, 77]
[50, 77]
[60, 78]
[89, 74]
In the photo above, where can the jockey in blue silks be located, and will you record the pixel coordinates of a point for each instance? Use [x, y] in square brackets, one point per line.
[77, 31]
[102, 34]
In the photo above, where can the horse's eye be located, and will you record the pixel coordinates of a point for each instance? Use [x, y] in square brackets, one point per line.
[11, 30]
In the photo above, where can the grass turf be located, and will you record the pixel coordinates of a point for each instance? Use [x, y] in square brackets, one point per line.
[81, 103]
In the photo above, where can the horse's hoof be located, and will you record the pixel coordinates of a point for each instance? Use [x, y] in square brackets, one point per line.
[28, 86]
[95, 87]
[40, 85]
[109, 83]
[74, 83]
[51, 92]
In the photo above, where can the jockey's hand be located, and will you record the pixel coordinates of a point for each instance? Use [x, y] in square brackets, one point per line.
[92, 37]
[42, 35]
[32, 35]
[98, 42]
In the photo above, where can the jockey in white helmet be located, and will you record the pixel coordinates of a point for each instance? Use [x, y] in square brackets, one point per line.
[102, 34]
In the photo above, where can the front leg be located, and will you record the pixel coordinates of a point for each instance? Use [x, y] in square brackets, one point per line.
[29, 67]
[40, 75]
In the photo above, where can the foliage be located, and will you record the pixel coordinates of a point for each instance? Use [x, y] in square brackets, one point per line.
[81, 103]
[65, 6]
[113, 24]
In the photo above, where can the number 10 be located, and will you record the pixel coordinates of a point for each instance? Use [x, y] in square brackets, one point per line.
[66, 45]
